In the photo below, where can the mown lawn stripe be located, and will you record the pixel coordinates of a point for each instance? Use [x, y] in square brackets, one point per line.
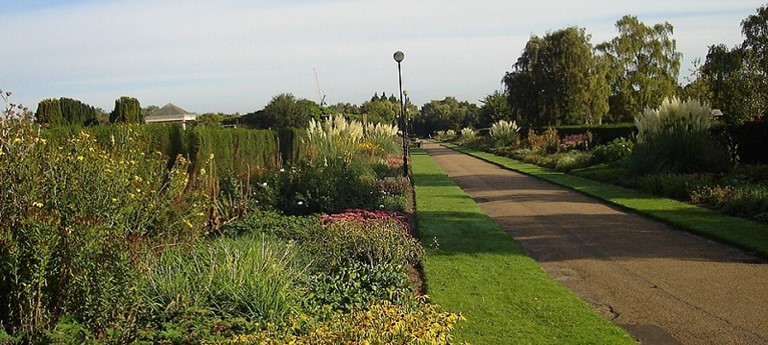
[472, 266]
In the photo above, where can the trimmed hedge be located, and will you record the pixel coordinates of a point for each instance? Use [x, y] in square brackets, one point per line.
[240, 151]
[750, 140]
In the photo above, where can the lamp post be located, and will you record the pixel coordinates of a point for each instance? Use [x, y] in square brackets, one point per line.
[399, 56]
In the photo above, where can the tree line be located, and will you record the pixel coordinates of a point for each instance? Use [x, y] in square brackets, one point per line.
[560, 78]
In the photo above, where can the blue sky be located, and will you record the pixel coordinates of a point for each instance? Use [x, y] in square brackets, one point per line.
[235, 55]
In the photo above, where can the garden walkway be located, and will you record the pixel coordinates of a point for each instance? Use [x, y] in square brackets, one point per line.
[663, 285]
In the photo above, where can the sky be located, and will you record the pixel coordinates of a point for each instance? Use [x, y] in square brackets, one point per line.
[233, 56]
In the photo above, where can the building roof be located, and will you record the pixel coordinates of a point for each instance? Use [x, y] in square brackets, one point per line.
[169, 109]
[170, 113]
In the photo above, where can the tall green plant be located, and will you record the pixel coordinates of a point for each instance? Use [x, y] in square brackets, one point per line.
[127, 110]
[72, 218]
[504, 133]
[675, 138]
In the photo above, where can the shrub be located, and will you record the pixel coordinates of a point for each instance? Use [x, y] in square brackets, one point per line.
[576, 141]
[674, 138]
[314, 187]
[572, 160]
[504, 133]
[446, 135]
[547, 142]
[615, 150]
[381, 322]
[73, 218]
[371, 242]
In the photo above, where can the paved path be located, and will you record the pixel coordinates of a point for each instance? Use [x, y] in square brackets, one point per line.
[663, 285]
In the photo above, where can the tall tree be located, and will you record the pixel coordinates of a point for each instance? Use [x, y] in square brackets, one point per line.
[495, 107]
[77, 113]
[127, 110]
[558, 80]
[49, 112]
[448, 113]
[285, 111]
[644, 66]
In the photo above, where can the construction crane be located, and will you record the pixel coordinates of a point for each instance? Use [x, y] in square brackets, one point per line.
[320, 93]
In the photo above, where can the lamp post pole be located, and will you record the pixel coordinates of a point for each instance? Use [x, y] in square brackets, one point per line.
[399, 56]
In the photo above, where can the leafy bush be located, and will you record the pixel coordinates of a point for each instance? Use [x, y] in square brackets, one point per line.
[355, 284]
[615, 150]
[676, 186]
[572, 160]
[73, 218]
[674, 138]
[504, 133]
[446, 135]
[298, 228]
[381, 322]
[576, 141]
[317, 187]
[371, 242]
[746, 200]
[547, 142]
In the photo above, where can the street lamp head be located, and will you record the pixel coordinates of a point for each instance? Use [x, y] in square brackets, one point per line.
[399, 56]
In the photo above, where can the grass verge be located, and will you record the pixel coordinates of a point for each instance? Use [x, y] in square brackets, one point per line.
[744, 233]
[472, 266]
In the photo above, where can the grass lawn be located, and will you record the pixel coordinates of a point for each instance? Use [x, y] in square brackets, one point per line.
[472, 266]
[744, 233]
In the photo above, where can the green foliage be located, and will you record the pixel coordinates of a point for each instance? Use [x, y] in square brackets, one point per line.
[356, 284]
[495, 108]
[49, 112]
[127, 110]
[504, 133]
[674, 138]
[252, 277]
[615, 150]
[546, 142]
[73, 219]
[644, 65]
[284, 111]
[77, 113]
[328, 186]
[447, 114]
[369, 242]
[558, 80]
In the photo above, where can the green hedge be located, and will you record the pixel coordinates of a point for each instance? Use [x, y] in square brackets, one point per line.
[240, 151]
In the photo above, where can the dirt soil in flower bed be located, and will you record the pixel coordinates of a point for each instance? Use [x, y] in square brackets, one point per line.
[663, 285]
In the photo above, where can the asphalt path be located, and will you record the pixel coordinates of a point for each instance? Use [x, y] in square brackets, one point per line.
[663, 285]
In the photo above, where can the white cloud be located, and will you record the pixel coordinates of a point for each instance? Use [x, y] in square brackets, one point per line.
[235, 55]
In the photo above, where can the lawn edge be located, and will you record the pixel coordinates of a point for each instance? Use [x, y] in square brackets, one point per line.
[743, 233]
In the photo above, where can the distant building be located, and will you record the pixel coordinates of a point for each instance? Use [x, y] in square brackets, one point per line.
[171, 114]
[717, 114]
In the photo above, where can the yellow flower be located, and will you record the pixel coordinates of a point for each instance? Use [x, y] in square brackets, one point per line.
[37, 204]
[16, 140]
[80, 158]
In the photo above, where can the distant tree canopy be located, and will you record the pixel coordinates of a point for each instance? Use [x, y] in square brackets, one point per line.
[734, 79]
[557, 80]
[448, 113]
[49, 112]
[284, 111]
[65, 111]
[644, 66]
[127, 110]
[495, 107]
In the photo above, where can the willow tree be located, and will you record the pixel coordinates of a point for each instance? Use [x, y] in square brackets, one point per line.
[644, 64]
[558, 80]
